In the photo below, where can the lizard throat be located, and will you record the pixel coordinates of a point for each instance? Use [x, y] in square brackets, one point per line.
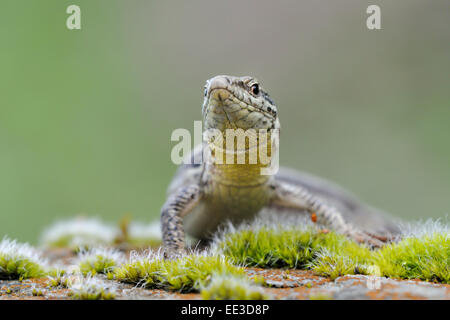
[240, 162]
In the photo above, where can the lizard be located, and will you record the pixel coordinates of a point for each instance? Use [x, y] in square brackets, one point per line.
[202, 196]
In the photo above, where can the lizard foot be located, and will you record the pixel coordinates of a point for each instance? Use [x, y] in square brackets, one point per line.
[173, 254]
[371, 239]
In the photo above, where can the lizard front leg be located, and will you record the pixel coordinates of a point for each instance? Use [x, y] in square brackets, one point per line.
[176, 207]
[296, 197]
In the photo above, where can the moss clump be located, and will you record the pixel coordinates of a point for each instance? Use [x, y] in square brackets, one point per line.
[60, 278]
[91, 288]
[99, 260]
[333, 265]
[19, 261]
[37, 292]
[226, 287]
[99, 264]
[79, 233]
[60, 281]
[144, 271]
[278, 247]
[425, 257]
[184, 274]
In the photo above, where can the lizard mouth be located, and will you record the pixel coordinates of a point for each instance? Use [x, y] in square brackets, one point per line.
[223, 109]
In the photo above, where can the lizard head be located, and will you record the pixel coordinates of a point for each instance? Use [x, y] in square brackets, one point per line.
[238, 103]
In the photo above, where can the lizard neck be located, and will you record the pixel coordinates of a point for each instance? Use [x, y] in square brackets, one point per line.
[239, 164]
[236, 190]
[238, 175]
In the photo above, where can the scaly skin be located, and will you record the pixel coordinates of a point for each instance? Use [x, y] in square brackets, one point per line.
[232, 190]
[202, 197]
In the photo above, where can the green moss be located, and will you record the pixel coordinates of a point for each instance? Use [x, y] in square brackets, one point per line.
[56, 272]
[277, 247]
[232, 288]
[19, 268]
[425, 258]
[184, 274]
[333, 265]
[91, 289]
[99, 261]
[143, 271]
[92, 295]
[59, 278]
[98, 265]
[19, 261]
[333, 255]
[37, 292]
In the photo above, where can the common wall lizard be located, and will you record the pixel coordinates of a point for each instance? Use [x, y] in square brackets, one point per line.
[203, 196]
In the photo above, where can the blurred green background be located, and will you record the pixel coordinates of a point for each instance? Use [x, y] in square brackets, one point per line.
[86, 115]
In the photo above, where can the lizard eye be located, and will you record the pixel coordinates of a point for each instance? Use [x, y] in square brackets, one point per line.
[255, 89]
[205, 91]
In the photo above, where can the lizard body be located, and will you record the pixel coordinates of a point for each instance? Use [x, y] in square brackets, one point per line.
[203, 196]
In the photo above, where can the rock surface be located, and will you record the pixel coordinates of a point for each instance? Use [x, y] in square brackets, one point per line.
[281, 284]
[285, 284]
